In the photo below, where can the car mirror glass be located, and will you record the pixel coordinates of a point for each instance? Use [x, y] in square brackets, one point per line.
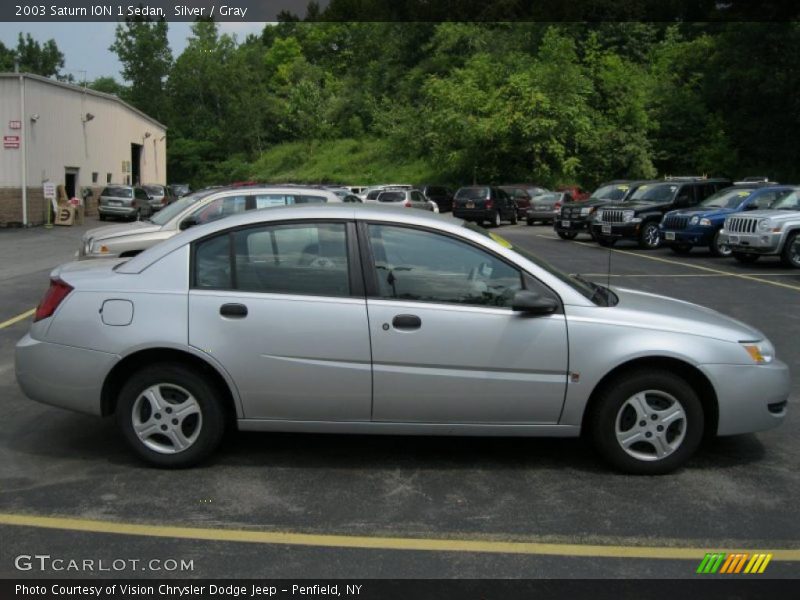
[531, 302]
[188, 222]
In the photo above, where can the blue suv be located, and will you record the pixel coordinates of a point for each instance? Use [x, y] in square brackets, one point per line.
[700, 225]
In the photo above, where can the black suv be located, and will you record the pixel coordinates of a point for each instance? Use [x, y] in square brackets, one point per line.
[479, 203]
[440, 194]
[576, 217]
[638, 217]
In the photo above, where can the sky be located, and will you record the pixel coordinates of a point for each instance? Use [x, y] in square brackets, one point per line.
[85, 45]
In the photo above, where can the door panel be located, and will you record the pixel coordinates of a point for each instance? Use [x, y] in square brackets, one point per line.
[467, 365]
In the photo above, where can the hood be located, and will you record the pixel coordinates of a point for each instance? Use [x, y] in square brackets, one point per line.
[661, 312]
[636, 206]
[778, 216]
[598, 202]
[123, 229]
[700, 212]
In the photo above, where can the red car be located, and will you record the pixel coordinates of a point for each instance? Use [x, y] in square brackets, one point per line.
[577, 192]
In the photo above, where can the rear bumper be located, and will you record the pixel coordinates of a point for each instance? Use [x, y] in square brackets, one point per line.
[62, 376]
[746, 393]
[541, 215]
[474, 214]
[117, 211]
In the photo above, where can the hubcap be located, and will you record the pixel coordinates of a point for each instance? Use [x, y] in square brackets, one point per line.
[497, 219]
[651, 235]
[794, 251]
[166, 418]
[722, 248]
[650, 425]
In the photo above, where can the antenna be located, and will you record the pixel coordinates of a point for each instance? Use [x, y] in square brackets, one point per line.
[608, 273]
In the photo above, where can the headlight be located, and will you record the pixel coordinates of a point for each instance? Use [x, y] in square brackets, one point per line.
[99, 248]
[761, 352]
[627, 216]
[598, 216]
[587, 210]
[694, 220]
[763, 225]
[705, 222]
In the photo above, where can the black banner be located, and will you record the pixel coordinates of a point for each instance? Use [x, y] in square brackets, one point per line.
[400, 10]
[732, 588]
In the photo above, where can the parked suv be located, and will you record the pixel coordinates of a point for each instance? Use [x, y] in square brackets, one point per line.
[638, 218]
[441, 195]
[126, 201]
[576, 218]
[523, 194]
[201, 207]
[773, 232]
[160, 195]
[403, 197]
[682, 230]
[479, 203]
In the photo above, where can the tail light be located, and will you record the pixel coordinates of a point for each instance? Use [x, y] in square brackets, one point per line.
[164, 201]
[407, 204]
[557, 207]
[489, 203]
[57, 291]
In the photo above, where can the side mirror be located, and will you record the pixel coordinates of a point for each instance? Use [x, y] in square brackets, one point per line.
[190, 221]
[532, 303]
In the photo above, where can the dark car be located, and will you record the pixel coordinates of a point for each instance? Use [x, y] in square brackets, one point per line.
[638, 218]
[576, 191]
[577, 218]
[479, 203]
[443, 196]
[522, 194]
[682, 230]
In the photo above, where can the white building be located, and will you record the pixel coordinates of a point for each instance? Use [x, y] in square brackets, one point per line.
[65, 134]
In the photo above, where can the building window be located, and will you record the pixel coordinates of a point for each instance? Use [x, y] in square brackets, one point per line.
[94, 176]
[108, 177]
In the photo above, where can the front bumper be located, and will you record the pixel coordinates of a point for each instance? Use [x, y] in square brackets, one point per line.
[616, 230]
[582, 224]
[745, 393]
[754, 243]
[62, 376]
[691, 236]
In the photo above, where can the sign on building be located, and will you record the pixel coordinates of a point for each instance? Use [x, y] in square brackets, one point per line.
[10, 141]
[15, 124]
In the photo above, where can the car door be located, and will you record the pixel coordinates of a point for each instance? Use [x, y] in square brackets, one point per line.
[446, 347]
[279, 306]
[419, 201]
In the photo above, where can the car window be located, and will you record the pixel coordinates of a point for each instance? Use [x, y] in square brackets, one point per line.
[221, 207]
[663, 192]
[117, 192]
[141, 194]
[419, 265]
[392, 197]
[352, 198]
[306, 259]
[472, 193]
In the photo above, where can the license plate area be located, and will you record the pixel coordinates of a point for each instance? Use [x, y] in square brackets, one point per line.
[566, 224]
[669, 235]
[115, 203]
[470, 205]
[606, 229]
[733, 239]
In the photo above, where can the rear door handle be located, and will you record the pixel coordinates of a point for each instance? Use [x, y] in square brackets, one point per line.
[235, 311]
[407, 322]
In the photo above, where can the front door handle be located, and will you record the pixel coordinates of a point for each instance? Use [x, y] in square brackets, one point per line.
[407, 322]
[235, 311]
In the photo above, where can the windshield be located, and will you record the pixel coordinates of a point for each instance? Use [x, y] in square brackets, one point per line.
[662, 192]
[727, 198]
[790, 202]
[610, 192]
[171, 210]
[154, 190]
[472, 193]
[598, 294]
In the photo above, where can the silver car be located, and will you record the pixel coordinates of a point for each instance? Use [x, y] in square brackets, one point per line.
[358, 319]
[195, 209]
[403, 197]
[125, 201]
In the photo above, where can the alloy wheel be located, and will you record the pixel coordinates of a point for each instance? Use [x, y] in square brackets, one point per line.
[166, 418]
[650, 425]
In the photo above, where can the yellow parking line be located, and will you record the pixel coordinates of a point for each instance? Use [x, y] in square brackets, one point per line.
[17, 319]
[689, 265]
[376, 542]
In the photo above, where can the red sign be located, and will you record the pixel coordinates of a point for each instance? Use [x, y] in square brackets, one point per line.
[15, 124]
[10, 141]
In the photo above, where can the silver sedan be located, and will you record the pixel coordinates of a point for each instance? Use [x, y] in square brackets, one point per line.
[345, 319]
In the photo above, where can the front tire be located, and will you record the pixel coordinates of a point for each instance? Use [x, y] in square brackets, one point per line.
[650, 237]
[718, 248]
[170, 415]
[790, 256]
[647, 422]
[567, 235]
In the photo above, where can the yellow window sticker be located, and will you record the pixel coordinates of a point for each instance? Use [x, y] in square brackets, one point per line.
[502, 241]
[744, 194]
[623, 188]
[643, 187]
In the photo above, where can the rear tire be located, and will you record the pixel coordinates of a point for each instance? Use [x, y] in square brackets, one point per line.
[745, 258]
[170, 415]
[647, 422]
[790, 256]
[497, 220]
[567, 235]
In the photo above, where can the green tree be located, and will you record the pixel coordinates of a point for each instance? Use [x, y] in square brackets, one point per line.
[108, 85]
[40, 59]
[143, 49]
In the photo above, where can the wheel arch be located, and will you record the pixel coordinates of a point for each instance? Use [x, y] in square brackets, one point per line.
[131, 363]
[693, 376]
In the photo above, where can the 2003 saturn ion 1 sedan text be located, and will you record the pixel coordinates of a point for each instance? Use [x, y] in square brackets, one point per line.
[348, 319]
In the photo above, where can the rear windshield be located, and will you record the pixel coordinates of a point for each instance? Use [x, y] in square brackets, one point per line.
[662, 192]
[154, 190]
[392, 197]
[551, 197]
[473, 193]
[611, 192]
[118, 192]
